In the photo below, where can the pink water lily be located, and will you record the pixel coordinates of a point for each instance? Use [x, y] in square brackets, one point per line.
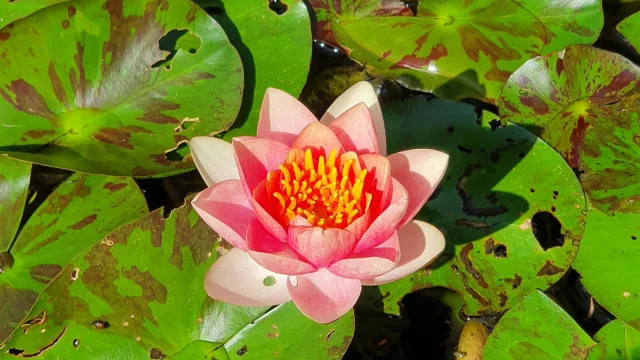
[314, 208]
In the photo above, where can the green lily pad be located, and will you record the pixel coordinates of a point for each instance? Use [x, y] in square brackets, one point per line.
[458, 49]
[14, 187]
[275, 49]
[140, 292]
[503, 189]
[14, 10]
[537, 329]
[607, 261]
[616, 341]
[76, 215]
[585, 102]
[630, 29]
[112, 86]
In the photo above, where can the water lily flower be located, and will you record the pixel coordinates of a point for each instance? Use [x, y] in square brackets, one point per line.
[315, 209]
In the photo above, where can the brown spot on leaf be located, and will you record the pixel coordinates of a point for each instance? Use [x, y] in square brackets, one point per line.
[549, 269]
[467, 204]
[114, 187]
[58, 89]
[492, 247]
[15, 305]
[156, 354]
[45, 272]
[242, 350]
[335, 351]
[27, 99]
[65, 24]
[191, 14]
[84, 222]
[101, 324]
[71, 11]
[468, 265]
[503, 298]
[471, 223]
[37, 134]
[152, 289]
[415, 62]
[4, 36]
[474, 294]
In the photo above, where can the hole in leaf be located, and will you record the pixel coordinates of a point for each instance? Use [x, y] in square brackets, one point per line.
[174, 40]
[532, 190]
[76, 343]
[553, 209]
[495, 123]
[278, 7]
[15, 351]
[179, 153]
[450, 129]
[464, 149]
[633, 237]
[547, 230]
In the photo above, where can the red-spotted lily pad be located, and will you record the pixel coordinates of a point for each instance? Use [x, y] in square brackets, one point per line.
[13, 10]
[464, 48]
[630, 29]
[76, 215]
[140, 292]
[537, 329]
[510, 208]
[115, 87]
[616, 341]
[585, 102]
[608, 260]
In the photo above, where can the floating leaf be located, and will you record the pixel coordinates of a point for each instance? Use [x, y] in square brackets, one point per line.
[616, 341]
[585, 102]
[630, 29]
[110, 86]
[459, 49]
[275, 47]
[509, 206]
[608, 262]
[14, 186]
[12, 10]
[324, 88]
[140, 292]
[537, 329]
[76, 215]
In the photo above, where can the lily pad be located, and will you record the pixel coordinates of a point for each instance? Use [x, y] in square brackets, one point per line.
[630, 29]
[608, 262]
[275, 47]
[115, 87]
[585, 102]
[458, 49]
[76, 215]
[616, 341]
[510, 208]
[139, 291]
[324, 88]
[14, 187]
[14, 10]
[537, 329]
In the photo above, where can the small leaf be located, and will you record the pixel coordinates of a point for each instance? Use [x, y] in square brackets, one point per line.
[630, 29]
[616, 341]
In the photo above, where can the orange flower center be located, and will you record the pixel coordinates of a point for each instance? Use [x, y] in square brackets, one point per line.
[327, 194]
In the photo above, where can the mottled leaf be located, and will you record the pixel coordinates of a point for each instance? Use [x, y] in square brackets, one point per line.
[616, 341]
[585, 102]
[11, 10]
[466, 48]
[275, 49]
[630, 29]
[14, 186]
[76, 215]
[608, 263]
[537, 329]
[140, 292]
[111, 86]
[509, 206]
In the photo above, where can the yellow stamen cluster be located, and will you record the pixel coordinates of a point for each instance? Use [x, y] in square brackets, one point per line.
[321, 191]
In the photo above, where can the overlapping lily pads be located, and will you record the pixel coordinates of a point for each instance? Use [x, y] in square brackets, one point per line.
[459, 49]
[139, 292]
[504, 189]
[14, 187]
[585, 102]
[115, 87]
[630, 29]
[75, 216]
[537, 329]
[616, 341]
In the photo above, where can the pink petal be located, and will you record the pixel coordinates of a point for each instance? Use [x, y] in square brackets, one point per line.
[386, 223]
[282, 117]
[360, 92]
[323, 296]
[255, 157]
[419, 171]
[369, 263]
[259, 200]
[225, 208]
[272, 253]
[420, 244]
[378, 181]
[355, 130]
[214, 159]
[321, 247]
[235, 278]
[317, 137]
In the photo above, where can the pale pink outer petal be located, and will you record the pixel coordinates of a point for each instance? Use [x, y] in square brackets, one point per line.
[321, 247]
[323, 296]
[225, 208]
[419, 171]
[235, 278]
[318, 137]
[282, 117]
[360, 92]
[378, 181]
[386, 223]
[255, 157]
[214, 159]
[369, 263]
[274, 254]
[420, 244]
[356, 131]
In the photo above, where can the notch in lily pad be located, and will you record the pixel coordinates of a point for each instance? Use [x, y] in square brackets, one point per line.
[174, 40]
